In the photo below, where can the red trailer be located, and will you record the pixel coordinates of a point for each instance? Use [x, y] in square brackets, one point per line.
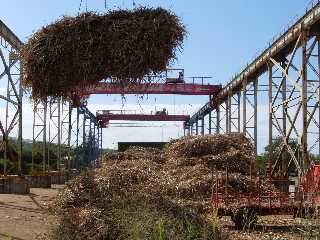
[272, 196]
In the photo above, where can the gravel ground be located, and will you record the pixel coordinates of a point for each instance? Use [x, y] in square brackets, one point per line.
[26, 216]
[274, 228]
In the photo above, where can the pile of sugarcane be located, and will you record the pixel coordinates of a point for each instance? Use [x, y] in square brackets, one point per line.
[75, 52]
[232, 152]
[134, 189]
[137, 153]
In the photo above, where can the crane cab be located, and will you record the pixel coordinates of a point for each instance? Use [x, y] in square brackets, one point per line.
[178, 78]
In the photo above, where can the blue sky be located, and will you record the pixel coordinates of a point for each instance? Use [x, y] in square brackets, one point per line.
[222, 37]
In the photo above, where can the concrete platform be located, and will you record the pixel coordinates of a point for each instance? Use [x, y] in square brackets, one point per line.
[39, 180]
[45, 180]
[63, 176]
[14, 185]
[59, 177]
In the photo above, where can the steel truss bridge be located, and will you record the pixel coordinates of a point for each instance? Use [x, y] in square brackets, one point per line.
[290, 67]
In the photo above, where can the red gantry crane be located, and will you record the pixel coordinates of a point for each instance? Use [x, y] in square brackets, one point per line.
[105, 116]
[171, 82]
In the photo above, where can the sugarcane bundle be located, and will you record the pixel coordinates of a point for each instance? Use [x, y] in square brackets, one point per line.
[123, 45]
[198, 146]
[136, 153]
[233, 152]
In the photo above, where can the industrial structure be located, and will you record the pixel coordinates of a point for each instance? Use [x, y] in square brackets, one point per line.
[155, 88]
[67, 131]
[105, 116]
[291, 65]
[11, 100]
[52, 121]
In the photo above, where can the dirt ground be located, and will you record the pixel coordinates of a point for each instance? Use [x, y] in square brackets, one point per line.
[25, 217]
[274, 228]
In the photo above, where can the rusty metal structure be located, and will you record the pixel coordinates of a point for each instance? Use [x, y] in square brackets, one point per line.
[11, 96]
[153, 88]
[105, 116]
[52, 121]
[286, 73]
[66, 134]
[291, 65]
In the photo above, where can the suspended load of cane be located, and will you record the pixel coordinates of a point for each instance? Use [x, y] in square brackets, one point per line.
[122, 45]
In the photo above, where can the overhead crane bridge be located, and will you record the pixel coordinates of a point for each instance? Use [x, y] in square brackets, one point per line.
[153, 88]
[105, 116]
[171, 82]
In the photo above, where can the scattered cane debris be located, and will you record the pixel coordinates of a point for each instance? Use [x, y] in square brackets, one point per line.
[173, 185]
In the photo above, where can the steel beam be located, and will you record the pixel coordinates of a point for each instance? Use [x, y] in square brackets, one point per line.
[197, 127]
[54, 136]
[202, 126]
[210, 123]
[11, 116]
[249, 111]
[66, 125]
[304, 101]
[88, 151]
[234, 112]
[9, 37]
[152, 88]
[39, 133]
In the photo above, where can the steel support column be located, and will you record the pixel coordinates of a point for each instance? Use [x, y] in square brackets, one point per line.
[218, 119]
[202, 126]
[197, 126]
[304, 101]
[214, 121]
[77, 153]
[294, 106]
[228, 113]
[234, 112]
[249, 111]
[210, 122]
[100, 144]
[270, 132]
[66, 125]
[39, 133]
[54, 133]
[11, 102]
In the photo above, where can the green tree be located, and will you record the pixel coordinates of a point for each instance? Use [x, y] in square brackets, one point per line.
[273, 151]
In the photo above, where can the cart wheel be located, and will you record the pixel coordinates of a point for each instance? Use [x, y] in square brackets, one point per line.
[311, 212]
[244, 218]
